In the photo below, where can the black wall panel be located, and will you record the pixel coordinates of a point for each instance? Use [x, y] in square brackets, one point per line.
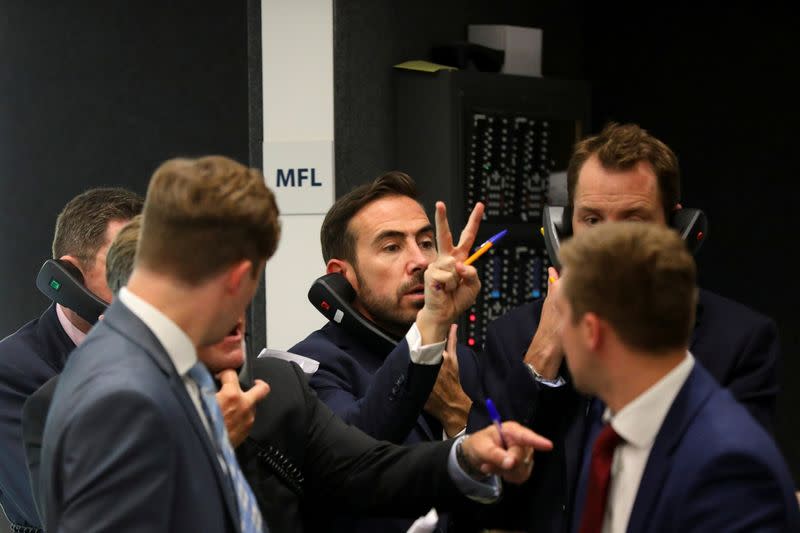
[99, 93]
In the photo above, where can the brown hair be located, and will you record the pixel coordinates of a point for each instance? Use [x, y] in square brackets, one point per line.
[202, 215]
[121, 255]
[621, 147]
[336, 237]
[639, 277]
[81, 225]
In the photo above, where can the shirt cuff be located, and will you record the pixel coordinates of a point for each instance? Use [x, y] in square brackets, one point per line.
[423, 355]
[459, 434]
[487, 491]
[538, 378]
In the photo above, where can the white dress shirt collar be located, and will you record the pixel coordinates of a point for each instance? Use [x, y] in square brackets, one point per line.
[639, 421]
[75, 335]
[175, 341]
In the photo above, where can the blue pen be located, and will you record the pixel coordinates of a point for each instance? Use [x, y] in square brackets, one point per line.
[496, 418]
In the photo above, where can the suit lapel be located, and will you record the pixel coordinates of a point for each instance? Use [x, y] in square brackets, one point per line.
[371, 361]
[694, 393]
[127, 324]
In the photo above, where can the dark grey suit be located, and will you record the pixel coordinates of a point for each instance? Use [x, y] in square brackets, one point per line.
[124, 448]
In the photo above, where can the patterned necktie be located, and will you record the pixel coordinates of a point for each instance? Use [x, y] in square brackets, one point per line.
[599, 480]
[249, 514]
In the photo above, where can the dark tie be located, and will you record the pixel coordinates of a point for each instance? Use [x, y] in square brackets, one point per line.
[250, 519]
[599, 478]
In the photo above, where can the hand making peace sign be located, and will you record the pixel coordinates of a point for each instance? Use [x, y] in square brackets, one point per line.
[450, 286]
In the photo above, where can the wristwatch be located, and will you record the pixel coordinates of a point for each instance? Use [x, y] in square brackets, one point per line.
[466, 466]
[543, 380]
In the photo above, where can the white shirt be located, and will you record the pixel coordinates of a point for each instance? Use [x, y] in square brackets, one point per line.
[430, 354]
[638, 424]
[176, 343]
[75, 335]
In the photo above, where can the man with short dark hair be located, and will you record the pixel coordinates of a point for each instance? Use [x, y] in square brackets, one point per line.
[38, 351]
[380, 239]
[676, 452]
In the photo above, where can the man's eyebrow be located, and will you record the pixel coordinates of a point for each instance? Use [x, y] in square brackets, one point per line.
[395, 234]
[425, 229]
[388, 234]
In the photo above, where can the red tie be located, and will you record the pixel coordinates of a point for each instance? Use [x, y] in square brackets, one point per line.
[599, 478]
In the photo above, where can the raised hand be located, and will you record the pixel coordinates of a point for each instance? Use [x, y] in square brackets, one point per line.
[448, 402]
[450, 286]
[545, 352]
[238, 407]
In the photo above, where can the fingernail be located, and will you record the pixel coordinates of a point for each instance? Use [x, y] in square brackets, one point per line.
[508, 462]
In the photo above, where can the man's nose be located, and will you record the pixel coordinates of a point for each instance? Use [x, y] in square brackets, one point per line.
[418, 259]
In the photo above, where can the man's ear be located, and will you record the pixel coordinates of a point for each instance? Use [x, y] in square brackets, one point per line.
[71, 259]
[592, 328]
[237, 273]
[344, 268]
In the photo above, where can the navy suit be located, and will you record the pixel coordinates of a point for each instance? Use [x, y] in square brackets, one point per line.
[712, 468]
[28, 358]
[738, 346]
[124, 448]
[381, 394]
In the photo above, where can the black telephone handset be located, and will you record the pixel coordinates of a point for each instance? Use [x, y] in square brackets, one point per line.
[332, 295]
[691, 224]
[62, 282]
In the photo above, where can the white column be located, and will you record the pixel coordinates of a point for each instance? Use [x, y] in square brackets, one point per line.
[297, 72]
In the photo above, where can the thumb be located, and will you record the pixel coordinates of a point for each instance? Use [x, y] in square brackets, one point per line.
[258, 391]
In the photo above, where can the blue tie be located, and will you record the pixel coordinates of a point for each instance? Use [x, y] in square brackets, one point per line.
[249, 515]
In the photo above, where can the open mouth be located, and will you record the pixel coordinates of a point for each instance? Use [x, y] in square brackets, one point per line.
[235, 333]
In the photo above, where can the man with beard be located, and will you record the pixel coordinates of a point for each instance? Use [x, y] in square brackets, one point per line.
[380, 239]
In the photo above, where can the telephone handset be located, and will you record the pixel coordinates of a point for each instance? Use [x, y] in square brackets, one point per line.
[691, 224]
[62, 282]
[332, 295]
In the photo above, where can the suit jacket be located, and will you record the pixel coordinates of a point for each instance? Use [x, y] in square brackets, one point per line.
[738, 346]
[713, 468]
[305, 464]
[381, 394]
[28, 358]
[34, 416]
[302, 461]
[124, 447]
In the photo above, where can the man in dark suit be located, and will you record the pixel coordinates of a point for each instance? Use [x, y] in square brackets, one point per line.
[37, 351]
[380, 239]
[621, 174]
[676, 451]
[238, 406]
[209, 226]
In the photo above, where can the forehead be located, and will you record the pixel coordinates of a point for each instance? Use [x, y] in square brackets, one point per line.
[390, 213]
[636, 183]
